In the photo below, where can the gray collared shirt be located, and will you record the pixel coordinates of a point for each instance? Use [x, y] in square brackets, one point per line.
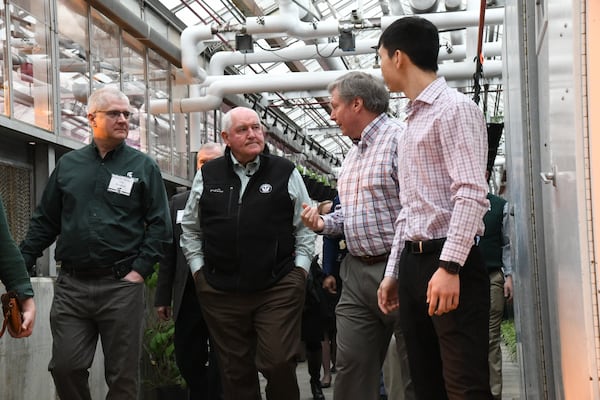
[191, 238]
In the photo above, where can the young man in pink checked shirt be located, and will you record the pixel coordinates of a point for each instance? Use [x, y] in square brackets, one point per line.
[435, 274]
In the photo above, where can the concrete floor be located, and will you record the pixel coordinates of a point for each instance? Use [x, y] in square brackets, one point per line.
[510, 372]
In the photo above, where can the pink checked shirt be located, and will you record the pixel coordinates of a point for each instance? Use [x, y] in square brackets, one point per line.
[441, 170]
[368, 190]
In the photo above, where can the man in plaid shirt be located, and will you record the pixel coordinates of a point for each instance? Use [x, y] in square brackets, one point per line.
[369, 205]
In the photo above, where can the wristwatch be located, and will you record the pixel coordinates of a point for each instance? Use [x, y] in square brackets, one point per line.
[450, 266]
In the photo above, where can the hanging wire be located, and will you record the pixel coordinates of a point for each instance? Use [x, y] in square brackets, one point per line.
[479, 57]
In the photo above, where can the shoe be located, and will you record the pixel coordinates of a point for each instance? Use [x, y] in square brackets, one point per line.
[326, 382]
[315, 388]
[332, 369]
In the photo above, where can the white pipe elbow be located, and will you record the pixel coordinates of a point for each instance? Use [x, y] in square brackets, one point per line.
[190, 37]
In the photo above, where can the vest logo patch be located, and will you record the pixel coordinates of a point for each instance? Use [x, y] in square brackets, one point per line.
[265, 188]
[217, 190]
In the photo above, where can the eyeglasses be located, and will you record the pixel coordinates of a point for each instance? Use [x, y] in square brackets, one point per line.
[114, 114]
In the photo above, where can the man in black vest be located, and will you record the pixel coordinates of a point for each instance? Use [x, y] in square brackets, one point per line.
[249, 254]
[195, 359]
[495, 248]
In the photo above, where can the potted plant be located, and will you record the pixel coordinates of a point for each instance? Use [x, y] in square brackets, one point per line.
[162, 375]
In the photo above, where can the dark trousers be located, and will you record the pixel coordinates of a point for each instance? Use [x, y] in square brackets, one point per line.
[257, 331]
[195, 358]
[448, 354]
[82, 310]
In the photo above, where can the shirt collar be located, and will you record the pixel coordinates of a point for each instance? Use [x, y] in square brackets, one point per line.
[368, 134]
[429, 94]
[250, 168]
[114, 151]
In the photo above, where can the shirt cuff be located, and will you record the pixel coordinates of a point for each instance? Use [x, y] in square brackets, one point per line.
[303, 262]
[196, 264]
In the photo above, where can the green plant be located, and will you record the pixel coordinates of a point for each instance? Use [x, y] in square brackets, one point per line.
[159, 345]
[509, 337]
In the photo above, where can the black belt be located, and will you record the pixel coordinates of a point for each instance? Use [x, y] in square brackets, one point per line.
[424, 246]
[87, 273]
[429, 246]
[118, 270]
[370, 260]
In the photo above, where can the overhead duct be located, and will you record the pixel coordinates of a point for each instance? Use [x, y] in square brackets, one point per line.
[423, 6]
[287, 23]
[236, 84]
[219, 61]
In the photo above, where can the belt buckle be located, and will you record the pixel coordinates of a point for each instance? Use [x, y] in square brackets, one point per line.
[417, 247]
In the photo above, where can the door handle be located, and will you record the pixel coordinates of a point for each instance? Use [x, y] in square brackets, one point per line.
[549, 177]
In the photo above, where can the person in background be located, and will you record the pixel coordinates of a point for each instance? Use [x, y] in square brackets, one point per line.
[368, 190]
[107, 205]
[313, 325]
[14, 276]
[195, 358]
[249, 254]
[334, 251]
[495, 248]
[435, 274]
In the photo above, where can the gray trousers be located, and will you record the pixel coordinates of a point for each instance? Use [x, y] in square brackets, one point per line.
[81, 310]
[363, 336]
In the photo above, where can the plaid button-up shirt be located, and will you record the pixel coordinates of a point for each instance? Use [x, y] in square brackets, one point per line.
[441, 163]
[368, 190]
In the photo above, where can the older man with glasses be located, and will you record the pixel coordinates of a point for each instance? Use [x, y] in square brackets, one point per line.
[106, 203]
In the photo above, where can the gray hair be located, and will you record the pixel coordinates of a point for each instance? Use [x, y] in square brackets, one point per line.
[212, 146]
[372, 90]
[102, 98]
[226, 121]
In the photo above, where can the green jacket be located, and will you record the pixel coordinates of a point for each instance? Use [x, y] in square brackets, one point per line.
[102, 210]
[12, 268]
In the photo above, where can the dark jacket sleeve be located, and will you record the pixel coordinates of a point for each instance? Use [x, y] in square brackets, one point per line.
[167, 266]
[159, 232]
[45, 224]
[13, 273]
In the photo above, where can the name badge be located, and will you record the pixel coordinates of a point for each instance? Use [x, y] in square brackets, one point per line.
[121, 184]
[179, 216]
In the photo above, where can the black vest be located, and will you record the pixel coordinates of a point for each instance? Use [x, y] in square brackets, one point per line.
[249, 244]
[491, 242]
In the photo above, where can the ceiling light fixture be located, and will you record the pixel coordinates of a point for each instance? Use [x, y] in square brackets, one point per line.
[346, 39]
[244, 43]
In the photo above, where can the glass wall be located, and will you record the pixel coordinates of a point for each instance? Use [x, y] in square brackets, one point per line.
[160, 132]
[31, 59]
[73, 54]
[5, 105]
[133, 79]
[85, 51]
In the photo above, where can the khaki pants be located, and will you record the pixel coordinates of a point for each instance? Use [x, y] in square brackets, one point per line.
[496, 314]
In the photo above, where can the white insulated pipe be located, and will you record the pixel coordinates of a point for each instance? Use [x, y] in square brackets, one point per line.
[236, 84]
[455, 19]
[190, 37]
[289, 24]
[219, 61]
